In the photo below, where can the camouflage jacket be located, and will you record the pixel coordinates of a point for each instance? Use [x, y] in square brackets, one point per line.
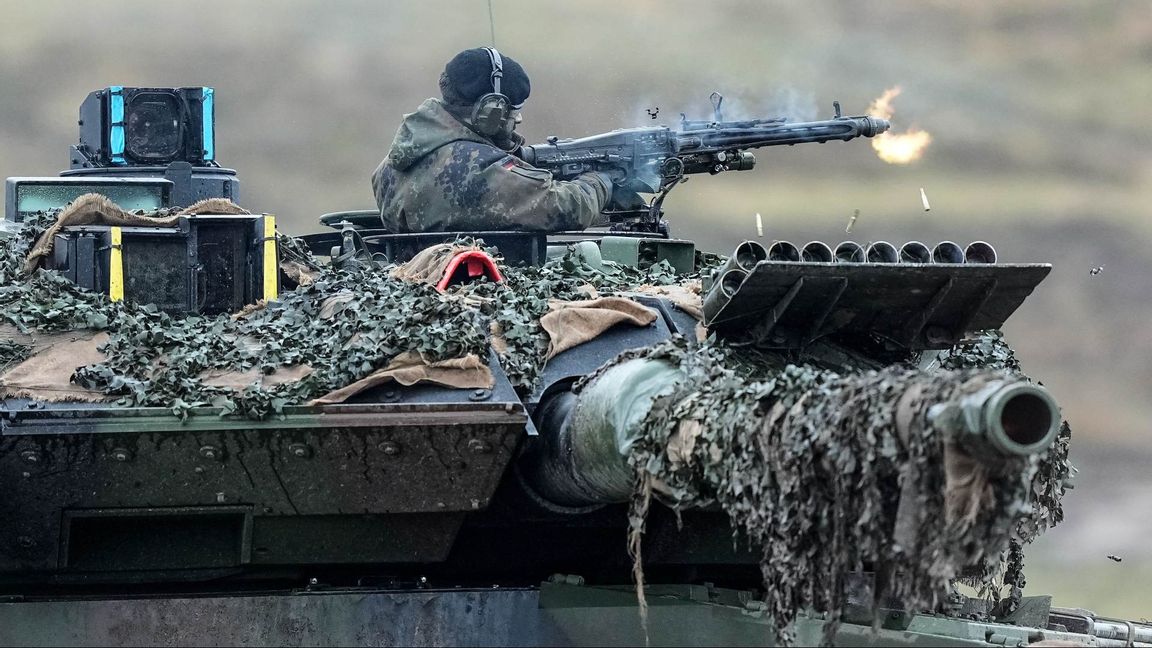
[440, 175]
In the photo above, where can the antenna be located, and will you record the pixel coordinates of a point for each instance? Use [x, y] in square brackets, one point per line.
[492, 23]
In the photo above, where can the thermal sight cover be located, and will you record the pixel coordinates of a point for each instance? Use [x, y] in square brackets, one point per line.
[122, 126]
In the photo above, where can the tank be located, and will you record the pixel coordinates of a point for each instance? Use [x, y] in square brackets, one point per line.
[213, 433]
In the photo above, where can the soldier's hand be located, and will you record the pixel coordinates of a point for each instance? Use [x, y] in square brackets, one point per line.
[616, 174]
[604, 178]
[625, 200]
[606, 181]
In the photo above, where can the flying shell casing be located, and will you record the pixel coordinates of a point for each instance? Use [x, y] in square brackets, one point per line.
[852, 221]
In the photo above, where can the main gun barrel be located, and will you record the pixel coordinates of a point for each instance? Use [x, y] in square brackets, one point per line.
[581, 458]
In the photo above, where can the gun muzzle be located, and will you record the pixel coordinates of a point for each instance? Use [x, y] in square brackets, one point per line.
[873, 126]
[1011, 418]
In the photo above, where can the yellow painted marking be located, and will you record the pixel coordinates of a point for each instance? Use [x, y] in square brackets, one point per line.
[271, 263]
[116, 268]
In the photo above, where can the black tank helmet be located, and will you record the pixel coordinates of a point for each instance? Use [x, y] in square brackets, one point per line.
[469, 76]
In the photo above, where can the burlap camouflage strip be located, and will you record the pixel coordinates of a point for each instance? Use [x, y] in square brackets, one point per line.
[96, 209]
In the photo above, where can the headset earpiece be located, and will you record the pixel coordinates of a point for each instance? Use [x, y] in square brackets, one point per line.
[492, 111]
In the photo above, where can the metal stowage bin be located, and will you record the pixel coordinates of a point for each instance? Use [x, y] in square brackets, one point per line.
[203, 264]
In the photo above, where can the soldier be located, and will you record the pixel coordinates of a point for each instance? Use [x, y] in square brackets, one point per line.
[454, 163]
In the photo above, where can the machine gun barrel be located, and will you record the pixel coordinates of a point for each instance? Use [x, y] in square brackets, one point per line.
[722, 138]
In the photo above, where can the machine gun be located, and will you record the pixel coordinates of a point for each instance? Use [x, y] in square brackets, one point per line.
[655, 159]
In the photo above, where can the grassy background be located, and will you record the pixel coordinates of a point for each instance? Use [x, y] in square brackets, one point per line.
[1037, 109]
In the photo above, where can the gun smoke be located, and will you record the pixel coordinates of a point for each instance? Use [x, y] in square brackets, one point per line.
[740, 103]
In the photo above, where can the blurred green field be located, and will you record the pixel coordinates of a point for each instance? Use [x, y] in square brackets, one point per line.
[1108, 589]
[1038, 111]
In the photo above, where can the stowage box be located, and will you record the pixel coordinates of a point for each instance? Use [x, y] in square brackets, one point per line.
[203, 264]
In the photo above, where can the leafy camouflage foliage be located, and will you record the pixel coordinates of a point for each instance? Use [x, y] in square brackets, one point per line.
[989, 350]
[811, 470]
[517, 305]
[158, 359]
[11, 353]
[45, 301]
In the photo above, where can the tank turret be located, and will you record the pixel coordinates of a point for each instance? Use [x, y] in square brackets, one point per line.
[534, 444]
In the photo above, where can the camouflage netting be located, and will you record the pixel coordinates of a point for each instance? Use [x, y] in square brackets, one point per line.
[811, 469]
[336, 328]
[805, 461]
[989, 350]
